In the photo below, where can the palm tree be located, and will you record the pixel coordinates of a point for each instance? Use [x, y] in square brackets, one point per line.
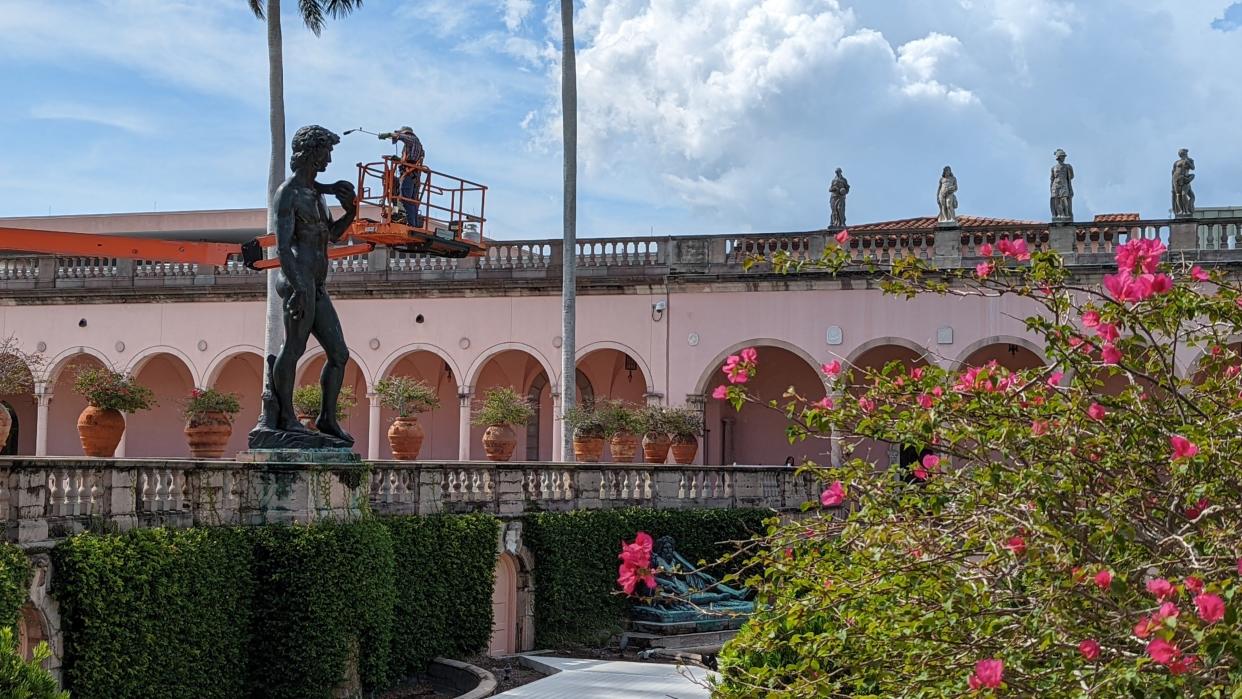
[313, 14]
[569, 289]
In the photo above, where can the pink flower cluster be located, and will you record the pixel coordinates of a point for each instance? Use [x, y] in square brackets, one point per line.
[1016, 249]
[833, 495]
[1210, 608]
[740, 367]
[1137, 278]
[636, 564]
[984, 379]
[988, 673]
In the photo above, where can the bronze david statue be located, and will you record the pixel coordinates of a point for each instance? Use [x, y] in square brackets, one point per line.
[304, 229]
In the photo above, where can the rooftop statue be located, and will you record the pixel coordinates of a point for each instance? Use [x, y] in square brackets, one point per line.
[687, 598]
[837, 191]
[1062, 189]
[946, 197]
[1183, 195]
[304, 228]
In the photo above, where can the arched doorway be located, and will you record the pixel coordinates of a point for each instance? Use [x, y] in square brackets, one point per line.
[440, 425]
[863, 367]
[160, 432]
[1012, 356]
[11, 444]
[539, 429]
[242, 375]
[504, 607]
[66, 405]
[31, 631]
[520, 370]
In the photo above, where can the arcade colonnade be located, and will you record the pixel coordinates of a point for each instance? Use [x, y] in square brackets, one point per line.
[464, 346]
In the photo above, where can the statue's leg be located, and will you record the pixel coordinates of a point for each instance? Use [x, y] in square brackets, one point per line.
[283, 371]
[327, 329]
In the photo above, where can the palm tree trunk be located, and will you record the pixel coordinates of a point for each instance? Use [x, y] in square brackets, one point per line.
[569, 288]
[274, 328]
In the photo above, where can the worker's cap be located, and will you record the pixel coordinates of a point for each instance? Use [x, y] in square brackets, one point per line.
[405, 129]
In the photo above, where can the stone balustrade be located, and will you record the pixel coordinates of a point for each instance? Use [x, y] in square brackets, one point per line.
[639, 257]
[46, 499]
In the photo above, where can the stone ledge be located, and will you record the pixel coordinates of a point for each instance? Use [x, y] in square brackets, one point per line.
[459, 676]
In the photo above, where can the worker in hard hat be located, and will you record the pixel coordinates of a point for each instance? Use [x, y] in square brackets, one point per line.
[408, 172]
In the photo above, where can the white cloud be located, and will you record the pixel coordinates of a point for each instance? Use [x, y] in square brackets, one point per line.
[516, 12]
[116, 117]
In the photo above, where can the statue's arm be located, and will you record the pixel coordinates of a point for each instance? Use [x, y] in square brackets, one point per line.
[344, 192]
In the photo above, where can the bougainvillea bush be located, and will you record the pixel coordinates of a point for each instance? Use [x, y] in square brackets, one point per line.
[1069, 531]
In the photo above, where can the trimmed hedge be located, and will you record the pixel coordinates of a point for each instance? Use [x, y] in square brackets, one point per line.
[14, 582]
[271, 611]
[576, 595]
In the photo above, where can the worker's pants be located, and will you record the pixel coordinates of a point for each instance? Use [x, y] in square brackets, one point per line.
[409, 191]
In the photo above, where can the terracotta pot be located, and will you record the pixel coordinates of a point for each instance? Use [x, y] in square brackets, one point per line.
[208, 434]
[588, 449]
[624, 446]
[100, 431]
[6, 425]
[308, 421]
[655, 447]
[685, 447]
[499, 442]
[405, 436]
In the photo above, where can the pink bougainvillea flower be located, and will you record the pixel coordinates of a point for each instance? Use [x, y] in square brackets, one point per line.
[1182, 665]
[1107, 332]
[637, 553]
[937, 391]
[1193, 585]
[832, 368]
[1161, 284]
[1232, 371]
[1016, 545]
[1004, 246]
[1182, 448]
[1039, 427]
[1090, 649]
[1142, 254]
[1104, 579]
[988, 673]
[925, 401]
[1197, 274]
[1055, 379]
[1168, 610]
[1109, 354]
[1019, 250]
[1145, 626]
[1197, 509]
[916, 373]
[843, 237]
[833, 495]
[1090, 319]
[931, 463]
[750, 355]
[824, 403]
[983, 270]
[1096, 412]
[985, 250]
[1161, 588]
[1211, 608]
[636, 564]
[1162, 651]
[866, 405]
[720, 393]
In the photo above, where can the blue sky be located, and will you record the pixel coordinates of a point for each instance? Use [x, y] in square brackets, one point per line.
[697, 116]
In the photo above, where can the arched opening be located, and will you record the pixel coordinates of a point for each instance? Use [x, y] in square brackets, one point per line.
[23, 409]
[66, 405]
[440, 425]
[358, 418]
[242, 374]
[15, 429]
[865, 366]
[539, 429]
[756, 435]
[160, 432]
[31, 631]
[504, 607]
[518, 369]
[1011, 356]
[613, 375]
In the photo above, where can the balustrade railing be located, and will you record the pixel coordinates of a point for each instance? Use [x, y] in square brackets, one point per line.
[42, 500]
[652, 256]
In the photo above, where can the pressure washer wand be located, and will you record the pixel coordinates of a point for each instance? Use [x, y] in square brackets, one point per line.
[359, 129]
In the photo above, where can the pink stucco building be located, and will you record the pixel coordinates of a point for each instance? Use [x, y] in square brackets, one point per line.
[657, 317]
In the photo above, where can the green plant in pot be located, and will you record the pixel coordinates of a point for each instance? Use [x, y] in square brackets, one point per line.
[501, 409]
[589, 431]
[622, 425]
[407, 397]
[685, 426]
[17, 371]
[308, 401]
[656, 442]
[108, 394]
[208, 417]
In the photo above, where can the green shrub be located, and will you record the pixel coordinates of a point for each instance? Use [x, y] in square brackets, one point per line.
[445, 565]
[576, 594]
[25, 679]
[155, 612]
[323, 592]
[14, 582]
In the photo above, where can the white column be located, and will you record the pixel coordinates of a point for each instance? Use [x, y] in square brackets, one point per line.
[373, 427]
[464, 396]
[120, 447]
[44, 401]
[558, 449]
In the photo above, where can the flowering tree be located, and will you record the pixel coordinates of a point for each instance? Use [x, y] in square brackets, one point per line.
[1071, 530]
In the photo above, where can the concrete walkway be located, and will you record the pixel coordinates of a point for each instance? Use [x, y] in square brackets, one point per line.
[604, 679]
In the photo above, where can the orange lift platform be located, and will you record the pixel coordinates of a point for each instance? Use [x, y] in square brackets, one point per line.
[451, 210]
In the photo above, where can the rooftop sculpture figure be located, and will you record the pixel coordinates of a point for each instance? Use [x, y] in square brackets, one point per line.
[946, 197]
[1183, 195]
[837, 191]
[304, 228]
[1062, 189]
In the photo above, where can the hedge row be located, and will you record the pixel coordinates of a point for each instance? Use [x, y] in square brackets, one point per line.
[576, 593]
[271, 611]
[14, 581]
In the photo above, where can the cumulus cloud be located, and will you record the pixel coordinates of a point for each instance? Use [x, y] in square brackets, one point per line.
[1231, 20]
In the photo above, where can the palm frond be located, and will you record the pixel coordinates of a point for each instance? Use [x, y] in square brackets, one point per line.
[312, 14]
[256, 6]
[341, 8]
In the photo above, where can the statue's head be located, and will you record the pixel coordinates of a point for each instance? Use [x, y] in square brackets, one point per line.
[1059, 155]
[664, 547]
[838, 172]
[947, 171]
[1183, 153]
[312, 148]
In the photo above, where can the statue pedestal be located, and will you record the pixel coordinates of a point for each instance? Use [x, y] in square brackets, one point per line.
[343, 455]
